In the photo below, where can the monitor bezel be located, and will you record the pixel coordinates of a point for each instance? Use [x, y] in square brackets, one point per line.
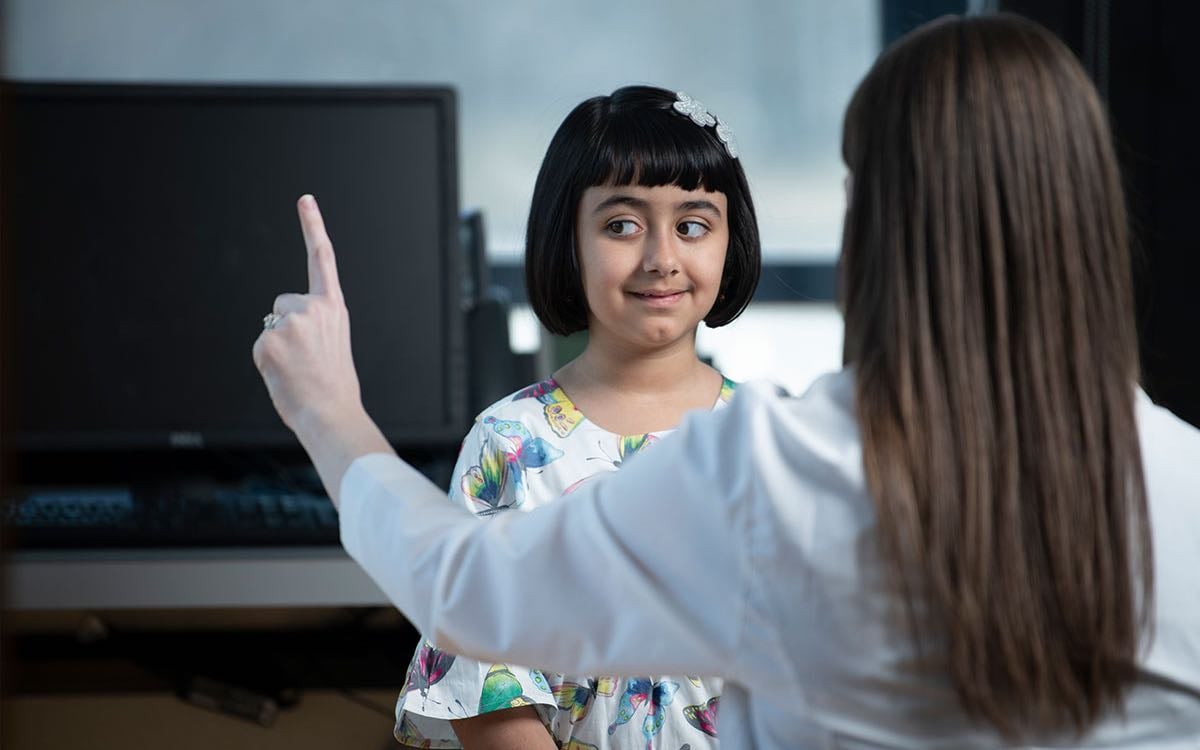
[454, 408]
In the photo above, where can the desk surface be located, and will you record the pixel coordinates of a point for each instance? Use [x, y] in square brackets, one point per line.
[180, 578]
[323, 719]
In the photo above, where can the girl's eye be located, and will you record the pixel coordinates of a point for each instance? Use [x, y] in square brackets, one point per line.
[691, 229]
[621, 227]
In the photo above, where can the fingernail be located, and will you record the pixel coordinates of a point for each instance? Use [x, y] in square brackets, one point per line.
[307, 200]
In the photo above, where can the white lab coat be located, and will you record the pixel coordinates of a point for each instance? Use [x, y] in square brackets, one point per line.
[745, 547]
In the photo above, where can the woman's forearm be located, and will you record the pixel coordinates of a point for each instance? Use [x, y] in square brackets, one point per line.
[334, 441]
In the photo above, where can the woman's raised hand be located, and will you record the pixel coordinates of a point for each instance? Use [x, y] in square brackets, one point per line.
[304, 357]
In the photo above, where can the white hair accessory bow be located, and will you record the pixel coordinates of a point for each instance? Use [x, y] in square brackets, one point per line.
[699, 114]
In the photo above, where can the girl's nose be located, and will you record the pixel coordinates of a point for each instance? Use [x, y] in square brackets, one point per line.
[661, 256]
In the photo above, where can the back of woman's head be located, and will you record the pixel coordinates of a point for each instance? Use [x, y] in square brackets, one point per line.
[633, 136]
[989, 316]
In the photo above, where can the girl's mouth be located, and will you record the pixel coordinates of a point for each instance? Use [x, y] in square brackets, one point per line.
[659, 298]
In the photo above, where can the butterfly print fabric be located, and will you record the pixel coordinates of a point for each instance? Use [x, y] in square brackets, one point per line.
[529, 449]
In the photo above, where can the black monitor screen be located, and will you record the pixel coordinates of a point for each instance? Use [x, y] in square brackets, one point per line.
[148, 229]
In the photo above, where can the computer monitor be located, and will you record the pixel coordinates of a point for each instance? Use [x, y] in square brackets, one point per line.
[147, 230]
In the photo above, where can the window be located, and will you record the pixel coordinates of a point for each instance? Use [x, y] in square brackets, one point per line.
[779, 71]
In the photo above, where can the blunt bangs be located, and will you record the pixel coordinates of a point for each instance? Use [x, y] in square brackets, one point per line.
[656, 147]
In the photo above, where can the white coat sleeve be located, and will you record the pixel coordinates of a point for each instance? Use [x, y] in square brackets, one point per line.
[642, 572]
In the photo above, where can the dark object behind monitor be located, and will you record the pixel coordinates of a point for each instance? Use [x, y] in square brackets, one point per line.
[496, 370]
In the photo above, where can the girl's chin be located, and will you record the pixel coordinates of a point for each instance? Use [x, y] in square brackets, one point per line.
[660, 338]
[647, 334]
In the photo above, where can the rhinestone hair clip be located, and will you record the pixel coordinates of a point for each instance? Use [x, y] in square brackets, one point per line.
[694, 110]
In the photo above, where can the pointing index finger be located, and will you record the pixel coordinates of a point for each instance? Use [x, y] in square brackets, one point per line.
[322, 266]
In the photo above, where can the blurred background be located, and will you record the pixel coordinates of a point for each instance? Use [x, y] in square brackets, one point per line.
[176, 578]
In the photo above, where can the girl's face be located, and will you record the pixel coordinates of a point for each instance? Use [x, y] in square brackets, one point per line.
[651, 260]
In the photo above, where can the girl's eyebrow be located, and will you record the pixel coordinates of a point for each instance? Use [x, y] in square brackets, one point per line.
[700, 205]
[620, 199]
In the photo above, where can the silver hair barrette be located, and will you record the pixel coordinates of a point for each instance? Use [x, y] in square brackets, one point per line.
[699, 114]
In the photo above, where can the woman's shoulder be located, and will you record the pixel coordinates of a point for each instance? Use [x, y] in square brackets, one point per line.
[825, 407]
[1156, 422]
[794, 447]
[1170, 452]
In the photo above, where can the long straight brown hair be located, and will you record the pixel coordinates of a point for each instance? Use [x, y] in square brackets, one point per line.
[989, 315]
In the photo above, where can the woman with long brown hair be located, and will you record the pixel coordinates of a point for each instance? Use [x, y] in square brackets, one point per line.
[988, 308]
[980, 533]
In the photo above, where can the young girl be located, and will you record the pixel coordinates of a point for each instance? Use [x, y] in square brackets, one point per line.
[641, 227]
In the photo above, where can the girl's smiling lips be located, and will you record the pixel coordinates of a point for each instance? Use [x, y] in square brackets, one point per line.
[659, 297]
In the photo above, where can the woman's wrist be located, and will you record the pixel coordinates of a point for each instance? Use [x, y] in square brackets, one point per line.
[335, 438]
[311, 423]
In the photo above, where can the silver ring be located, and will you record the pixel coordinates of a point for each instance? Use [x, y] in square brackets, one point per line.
[270, 320]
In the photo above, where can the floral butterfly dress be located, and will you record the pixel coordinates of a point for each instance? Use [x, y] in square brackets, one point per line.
[527, 450]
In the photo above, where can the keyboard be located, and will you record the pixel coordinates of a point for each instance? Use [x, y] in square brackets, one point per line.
[174, 517]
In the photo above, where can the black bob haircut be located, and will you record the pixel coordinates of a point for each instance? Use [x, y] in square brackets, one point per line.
[631, 137]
